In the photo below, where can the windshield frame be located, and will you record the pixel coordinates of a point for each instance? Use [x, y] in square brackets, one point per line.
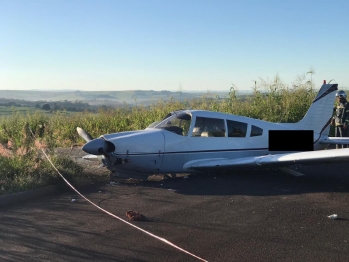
[173, 126]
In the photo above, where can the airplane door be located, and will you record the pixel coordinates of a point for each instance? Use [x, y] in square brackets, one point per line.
[173, 157]
[156, 157]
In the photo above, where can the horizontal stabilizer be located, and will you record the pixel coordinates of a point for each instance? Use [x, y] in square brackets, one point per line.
[336, 140]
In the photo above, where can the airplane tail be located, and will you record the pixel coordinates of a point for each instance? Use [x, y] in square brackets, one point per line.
[318, 116]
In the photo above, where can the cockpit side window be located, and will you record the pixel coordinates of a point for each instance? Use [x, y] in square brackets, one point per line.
[209, 127]
[236, 129]
[256, 131]
[178, 124]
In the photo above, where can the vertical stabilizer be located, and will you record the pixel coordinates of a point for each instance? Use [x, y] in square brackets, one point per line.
[320, 112]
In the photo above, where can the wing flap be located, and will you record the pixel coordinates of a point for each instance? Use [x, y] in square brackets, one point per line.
[277, 160]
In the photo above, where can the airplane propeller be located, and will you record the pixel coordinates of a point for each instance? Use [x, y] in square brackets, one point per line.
[87, 137]
[84, 135]
[96, 146]
[92, 146]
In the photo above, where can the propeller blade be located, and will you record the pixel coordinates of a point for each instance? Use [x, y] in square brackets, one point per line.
[84, 135]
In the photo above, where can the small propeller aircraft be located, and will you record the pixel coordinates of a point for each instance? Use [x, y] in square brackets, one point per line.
[198, 141]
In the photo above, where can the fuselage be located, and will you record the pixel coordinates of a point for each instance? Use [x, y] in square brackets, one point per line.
[191, 135]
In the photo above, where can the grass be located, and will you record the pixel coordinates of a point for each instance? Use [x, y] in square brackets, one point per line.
[8, 111]
[31, 170]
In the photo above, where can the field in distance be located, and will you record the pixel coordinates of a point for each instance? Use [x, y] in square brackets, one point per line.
[24, 101]
[100, 97]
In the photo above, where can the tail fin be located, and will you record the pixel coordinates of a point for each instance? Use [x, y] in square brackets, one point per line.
[320, 112]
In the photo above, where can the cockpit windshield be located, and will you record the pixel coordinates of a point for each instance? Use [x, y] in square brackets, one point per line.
[177, 123]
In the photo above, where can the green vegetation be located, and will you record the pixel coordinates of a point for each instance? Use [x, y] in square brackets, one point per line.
[32, 170]
[7, 105]
[8, 110]
[271, 100]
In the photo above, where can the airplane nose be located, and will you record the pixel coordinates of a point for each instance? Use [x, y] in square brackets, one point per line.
[94, 147]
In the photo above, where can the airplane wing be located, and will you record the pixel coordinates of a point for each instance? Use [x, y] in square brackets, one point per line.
[336, 140]
[277, 160]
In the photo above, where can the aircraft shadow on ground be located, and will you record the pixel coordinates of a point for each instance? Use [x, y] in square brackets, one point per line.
[317, 179]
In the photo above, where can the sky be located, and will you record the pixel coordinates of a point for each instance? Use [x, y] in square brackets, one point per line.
[177, 45]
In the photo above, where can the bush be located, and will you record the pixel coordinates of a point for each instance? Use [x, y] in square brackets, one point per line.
[46, 107]
[29, 171]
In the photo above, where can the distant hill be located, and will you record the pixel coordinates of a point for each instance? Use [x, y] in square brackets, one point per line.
[105, 97]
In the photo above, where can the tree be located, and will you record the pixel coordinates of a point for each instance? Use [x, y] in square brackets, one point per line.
[46, 107]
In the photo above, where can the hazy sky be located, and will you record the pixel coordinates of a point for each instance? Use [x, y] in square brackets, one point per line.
[170, 44]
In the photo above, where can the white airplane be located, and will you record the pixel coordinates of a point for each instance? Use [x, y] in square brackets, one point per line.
[198, 141]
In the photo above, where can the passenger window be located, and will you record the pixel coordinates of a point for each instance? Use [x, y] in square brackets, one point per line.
[256, 131]
[236, 129]
[209, 127]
